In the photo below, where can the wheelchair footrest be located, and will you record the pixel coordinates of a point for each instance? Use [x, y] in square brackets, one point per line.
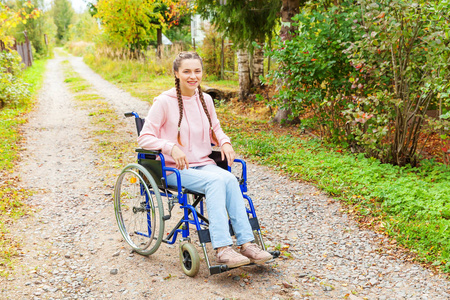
[218, 269]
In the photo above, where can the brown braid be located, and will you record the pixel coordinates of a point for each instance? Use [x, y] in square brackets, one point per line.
[202, 100]
[180, 107]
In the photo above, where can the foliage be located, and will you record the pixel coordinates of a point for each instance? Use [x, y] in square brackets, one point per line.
[144, 79]
[243, 22]
[80, 48]
[181, 33]
[34, 27]
[10, 116]
[313, 73]
[62, 17]
[410, 204]
[13, 90]
[85, 28]
[10, 19]
[403, 56]
[364, 75]
[134, 23]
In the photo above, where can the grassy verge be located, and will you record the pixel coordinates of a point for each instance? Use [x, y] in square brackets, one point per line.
[12, 196]
[410, 204]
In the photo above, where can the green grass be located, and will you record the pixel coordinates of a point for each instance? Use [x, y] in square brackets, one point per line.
[227, 85]
[12, 118]
[12, 196]
[410, 204]
[144, 80]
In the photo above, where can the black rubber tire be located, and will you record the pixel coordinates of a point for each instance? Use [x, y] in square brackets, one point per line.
[189, 259]
[139, 210]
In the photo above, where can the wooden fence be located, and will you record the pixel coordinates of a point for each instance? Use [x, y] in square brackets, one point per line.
[24, 50]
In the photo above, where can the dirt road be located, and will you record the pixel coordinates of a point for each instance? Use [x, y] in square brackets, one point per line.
[72, 248]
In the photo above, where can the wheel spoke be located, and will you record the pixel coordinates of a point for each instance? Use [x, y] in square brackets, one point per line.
[140, 220]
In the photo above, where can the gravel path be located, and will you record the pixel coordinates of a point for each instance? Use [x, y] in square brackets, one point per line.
[73, 250]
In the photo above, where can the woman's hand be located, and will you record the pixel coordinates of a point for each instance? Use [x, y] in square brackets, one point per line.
[180, 158]
[228, 152]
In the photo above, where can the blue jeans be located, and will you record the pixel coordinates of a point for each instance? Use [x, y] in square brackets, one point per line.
[223, 199]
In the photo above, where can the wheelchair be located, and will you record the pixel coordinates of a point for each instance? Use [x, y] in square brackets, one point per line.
[141, 216]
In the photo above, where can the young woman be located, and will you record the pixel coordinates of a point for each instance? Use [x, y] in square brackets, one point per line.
[183, 124]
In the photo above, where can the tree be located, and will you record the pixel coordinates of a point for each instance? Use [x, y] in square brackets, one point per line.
[135, 23]
[128, 22]
[85, 28]
[403, 55]
[34, 27]
[244, 23]
[289, 9]
[13, 91]
[9, 19]
[171, 12]
[62, 17]
[365, 74]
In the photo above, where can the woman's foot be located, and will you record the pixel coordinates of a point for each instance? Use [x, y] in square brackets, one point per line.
[256, 254]
[231, 258]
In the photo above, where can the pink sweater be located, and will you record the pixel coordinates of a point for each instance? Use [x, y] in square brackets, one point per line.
[161, 128]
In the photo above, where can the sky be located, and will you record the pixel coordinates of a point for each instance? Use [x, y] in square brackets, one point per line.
[79, 5]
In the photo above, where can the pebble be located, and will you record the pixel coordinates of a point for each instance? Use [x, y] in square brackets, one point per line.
[114, 272]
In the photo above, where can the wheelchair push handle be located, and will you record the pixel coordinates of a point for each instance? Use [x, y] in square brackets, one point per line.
[131, 114]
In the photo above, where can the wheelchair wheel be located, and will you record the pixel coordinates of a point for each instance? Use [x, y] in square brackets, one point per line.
[189, 259]
[139, 209]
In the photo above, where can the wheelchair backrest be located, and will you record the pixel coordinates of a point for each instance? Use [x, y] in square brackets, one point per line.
[139, 124]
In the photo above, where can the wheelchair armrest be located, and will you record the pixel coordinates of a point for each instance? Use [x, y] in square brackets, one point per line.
[145, 151]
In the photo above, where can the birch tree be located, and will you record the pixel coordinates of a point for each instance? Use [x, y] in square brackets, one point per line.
[244, 22]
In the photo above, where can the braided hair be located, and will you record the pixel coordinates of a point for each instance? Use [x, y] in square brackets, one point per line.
[176, 64]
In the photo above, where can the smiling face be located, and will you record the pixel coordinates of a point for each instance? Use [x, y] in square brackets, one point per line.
[190, 74]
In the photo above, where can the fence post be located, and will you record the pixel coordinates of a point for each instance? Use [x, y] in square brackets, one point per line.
[28, 54]
[46, 42]
[222, 59]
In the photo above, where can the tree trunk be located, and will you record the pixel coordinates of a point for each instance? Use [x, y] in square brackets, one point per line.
[159, 42]
[289, 9]
[244, 74]
[257, 66]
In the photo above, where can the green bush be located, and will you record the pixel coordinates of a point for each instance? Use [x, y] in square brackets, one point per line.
[13, 90]
[365, 73]
[313, 74]
[403, 55]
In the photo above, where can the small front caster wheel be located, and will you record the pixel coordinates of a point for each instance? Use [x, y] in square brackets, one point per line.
[190, 261]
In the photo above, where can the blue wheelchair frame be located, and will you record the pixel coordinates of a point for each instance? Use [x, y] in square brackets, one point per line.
[148, 159]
